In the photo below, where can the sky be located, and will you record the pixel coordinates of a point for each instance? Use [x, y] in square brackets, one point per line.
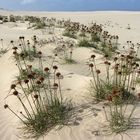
[71, 5]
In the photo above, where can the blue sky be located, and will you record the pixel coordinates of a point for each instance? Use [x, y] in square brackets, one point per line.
[70, 5]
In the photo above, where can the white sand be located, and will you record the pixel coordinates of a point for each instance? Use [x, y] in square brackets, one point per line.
[114, 22]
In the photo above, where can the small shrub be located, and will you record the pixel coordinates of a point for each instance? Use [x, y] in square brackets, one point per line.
[45, 108]
[70, 34]
[86, 43]
[118, 82]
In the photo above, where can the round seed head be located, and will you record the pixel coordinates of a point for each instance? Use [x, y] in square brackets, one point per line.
[106, 62]
[6, 106]
[12, 41]
[58, 74]
[55, 85]
[116, 58]
[38, 82]
[14, 48]
[20, 37]
[15, 93]
[93, 56]
[98, 71]
[15, 52]
[13, 86]
[40, 53]
[30, 76]
[46, 69]
[36, 96]
[26, 81]
[22, 55]
[106, 56]
[119, 72]
[41, 79]
[139, 95]
[55, 67]
[91, 65]
[133, 88]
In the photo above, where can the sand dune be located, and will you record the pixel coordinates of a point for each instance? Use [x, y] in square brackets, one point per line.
[90, 118]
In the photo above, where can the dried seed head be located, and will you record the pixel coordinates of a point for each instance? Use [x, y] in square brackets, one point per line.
[98, 71]
[20, 37]
[58, 74]
[55, 85]
[106, 56]
[138, 72]
[46, 69]
[116, 58]
[38, 82]
[22, 55]
[137, 65]
[36, 96]
[93, 56]
[26, 81]
[14, 52]
[55, 67]
[40, 53]
[13, 86]
[139, 95]
[123, 66]
[30, 66]
[41, 79]
[6, 106]
[133, 88]
[12, 41]
[119, 72]
[30, 76]
[15, 93]
[109, 63]
[91, 65]
[106, 62]
[14, 48]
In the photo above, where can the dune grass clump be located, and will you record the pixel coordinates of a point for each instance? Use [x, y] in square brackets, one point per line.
[117, 88]
[40, 25]
[26, 49]
[3, 50]
[64, 50]
[116, 78]
[69, 33]
[119, 118]
[95, 37]
[71, 29]
[12, 18]
[41, 98]
[86, 43]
